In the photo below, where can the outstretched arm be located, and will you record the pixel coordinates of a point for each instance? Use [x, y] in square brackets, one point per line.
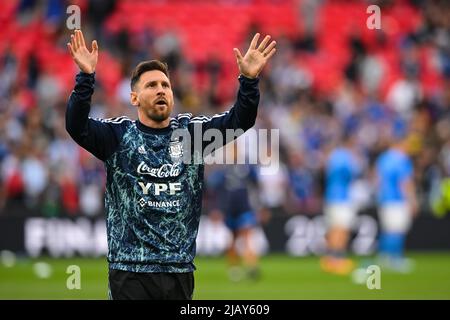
[95, 136]
[243, 113]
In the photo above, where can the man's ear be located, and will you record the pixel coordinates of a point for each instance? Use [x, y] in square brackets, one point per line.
[134, 99]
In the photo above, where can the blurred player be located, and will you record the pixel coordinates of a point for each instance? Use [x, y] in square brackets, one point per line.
[153, 198]
[232, 185]
[342, 168]
[397, 203]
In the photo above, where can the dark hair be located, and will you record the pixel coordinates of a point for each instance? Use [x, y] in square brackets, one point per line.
[145, 66]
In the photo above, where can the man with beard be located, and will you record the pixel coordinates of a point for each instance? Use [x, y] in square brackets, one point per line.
[153, 197]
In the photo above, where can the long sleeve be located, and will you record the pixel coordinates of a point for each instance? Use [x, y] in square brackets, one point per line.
[97, 137]
[242, 115]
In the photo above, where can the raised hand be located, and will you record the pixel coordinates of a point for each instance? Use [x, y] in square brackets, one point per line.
[85, 60]
[255, 58]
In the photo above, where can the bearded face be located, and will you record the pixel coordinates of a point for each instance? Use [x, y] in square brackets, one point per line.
[153, 96]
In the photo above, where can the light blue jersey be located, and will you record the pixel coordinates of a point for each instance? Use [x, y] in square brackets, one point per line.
[341, 169]
[393, 168]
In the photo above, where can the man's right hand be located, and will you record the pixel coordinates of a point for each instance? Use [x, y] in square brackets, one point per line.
[85, 60]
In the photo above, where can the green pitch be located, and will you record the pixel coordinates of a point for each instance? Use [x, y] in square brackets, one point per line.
[283, 277]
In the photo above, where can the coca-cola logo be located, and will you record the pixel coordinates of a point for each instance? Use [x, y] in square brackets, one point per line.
[165, 171]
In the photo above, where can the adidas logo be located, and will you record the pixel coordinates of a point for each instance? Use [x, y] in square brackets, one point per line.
[141, 150]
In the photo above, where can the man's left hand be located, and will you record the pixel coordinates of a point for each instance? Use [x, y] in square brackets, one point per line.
[255, 58]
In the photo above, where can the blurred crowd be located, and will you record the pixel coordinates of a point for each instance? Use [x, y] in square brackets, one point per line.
[42, 169]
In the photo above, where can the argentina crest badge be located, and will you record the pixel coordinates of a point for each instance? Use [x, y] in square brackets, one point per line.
[176, 150]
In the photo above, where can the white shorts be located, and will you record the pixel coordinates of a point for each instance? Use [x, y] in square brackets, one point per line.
[340, 215]
[395, 217]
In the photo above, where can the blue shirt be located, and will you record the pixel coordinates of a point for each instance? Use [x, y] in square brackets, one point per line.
[393, 168]
[231, 185]
[153, 200]
[341, 169]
